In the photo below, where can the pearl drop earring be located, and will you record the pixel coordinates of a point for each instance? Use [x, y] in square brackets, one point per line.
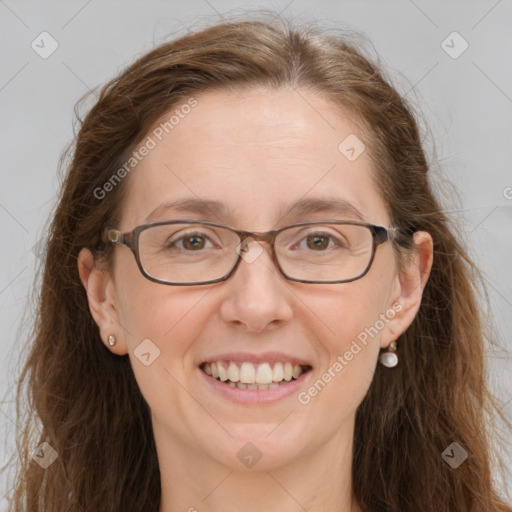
[389, 358]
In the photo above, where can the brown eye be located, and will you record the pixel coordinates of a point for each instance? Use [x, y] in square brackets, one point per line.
[317, 242]
[193, 242]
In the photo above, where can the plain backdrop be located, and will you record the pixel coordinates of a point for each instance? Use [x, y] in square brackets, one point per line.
[451, 59]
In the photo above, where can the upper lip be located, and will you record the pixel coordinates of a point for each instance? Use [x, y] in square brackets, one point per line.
[265, 357]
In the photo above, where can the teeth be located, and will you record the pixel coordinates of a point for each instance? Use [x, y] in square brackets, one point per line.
[278, 374]
[296, 371]
[288, 371]
[241, 385]
[233, 372]
[223, 374]
[247, 373]
[248, 376]
[264, 374]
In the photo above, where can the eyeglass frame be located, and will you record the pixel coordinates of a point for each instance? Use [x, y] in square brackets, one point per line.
[130, 239]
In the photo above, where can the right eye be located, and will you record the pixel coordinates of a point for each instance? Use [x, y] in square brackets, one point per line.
[193, 242]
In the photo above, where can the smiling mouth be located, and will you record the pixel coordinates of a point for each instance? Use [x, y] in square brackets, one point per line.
[245, 375]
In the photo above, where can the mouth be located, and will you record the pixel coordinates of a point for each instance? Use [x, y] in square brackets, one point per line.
[261, 376]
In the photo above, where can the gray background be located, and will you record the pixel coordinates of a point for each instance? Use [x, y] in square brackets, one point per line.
[467, 102]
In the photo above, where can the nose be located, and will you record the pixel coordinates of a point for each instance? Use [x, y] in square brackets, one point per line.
[259, 295]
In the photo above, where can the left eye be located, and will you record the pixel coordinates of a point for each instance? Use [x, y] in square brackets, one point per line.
[320, 241]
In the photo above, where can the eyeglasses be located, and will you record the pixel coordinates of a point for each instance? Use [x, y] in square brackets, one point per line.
[190, 252]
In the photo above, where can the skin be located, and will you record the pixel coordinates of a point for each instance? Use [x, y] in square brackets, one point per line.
[258, 151]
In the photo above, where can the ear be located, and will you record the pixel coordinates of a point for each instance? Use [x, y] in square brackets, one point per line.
[99, 286]
[409, 286]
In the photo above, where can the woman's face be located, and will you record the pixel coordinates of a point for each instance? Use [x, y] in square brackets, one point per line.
[257, 152]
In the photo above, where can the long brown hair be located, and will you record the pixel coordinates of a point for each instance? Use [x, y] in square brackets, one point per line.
[84, 401]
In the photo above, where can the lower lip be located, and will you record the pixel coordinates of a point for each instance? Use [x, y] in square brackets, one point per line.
[255, 396]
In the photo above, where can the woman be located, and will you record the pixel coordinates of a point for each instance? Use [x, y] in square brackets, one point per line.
[251, 299]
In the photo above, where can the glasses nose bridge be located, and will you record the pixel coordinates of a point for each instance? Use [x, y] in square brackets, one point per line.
[266, 236]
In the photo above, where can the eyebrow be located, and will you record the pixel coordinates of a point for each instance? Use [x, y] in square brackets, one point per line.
[302, 207]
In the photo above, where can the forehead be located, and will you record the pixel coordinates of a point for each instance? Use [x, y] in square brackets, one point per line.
[252, 155]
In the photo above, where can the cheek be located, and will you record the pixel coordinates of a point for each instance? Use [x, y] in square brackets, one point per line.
[348, 332]
[160, 313]
[350, 316]
[171, 318]
[163, 324]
